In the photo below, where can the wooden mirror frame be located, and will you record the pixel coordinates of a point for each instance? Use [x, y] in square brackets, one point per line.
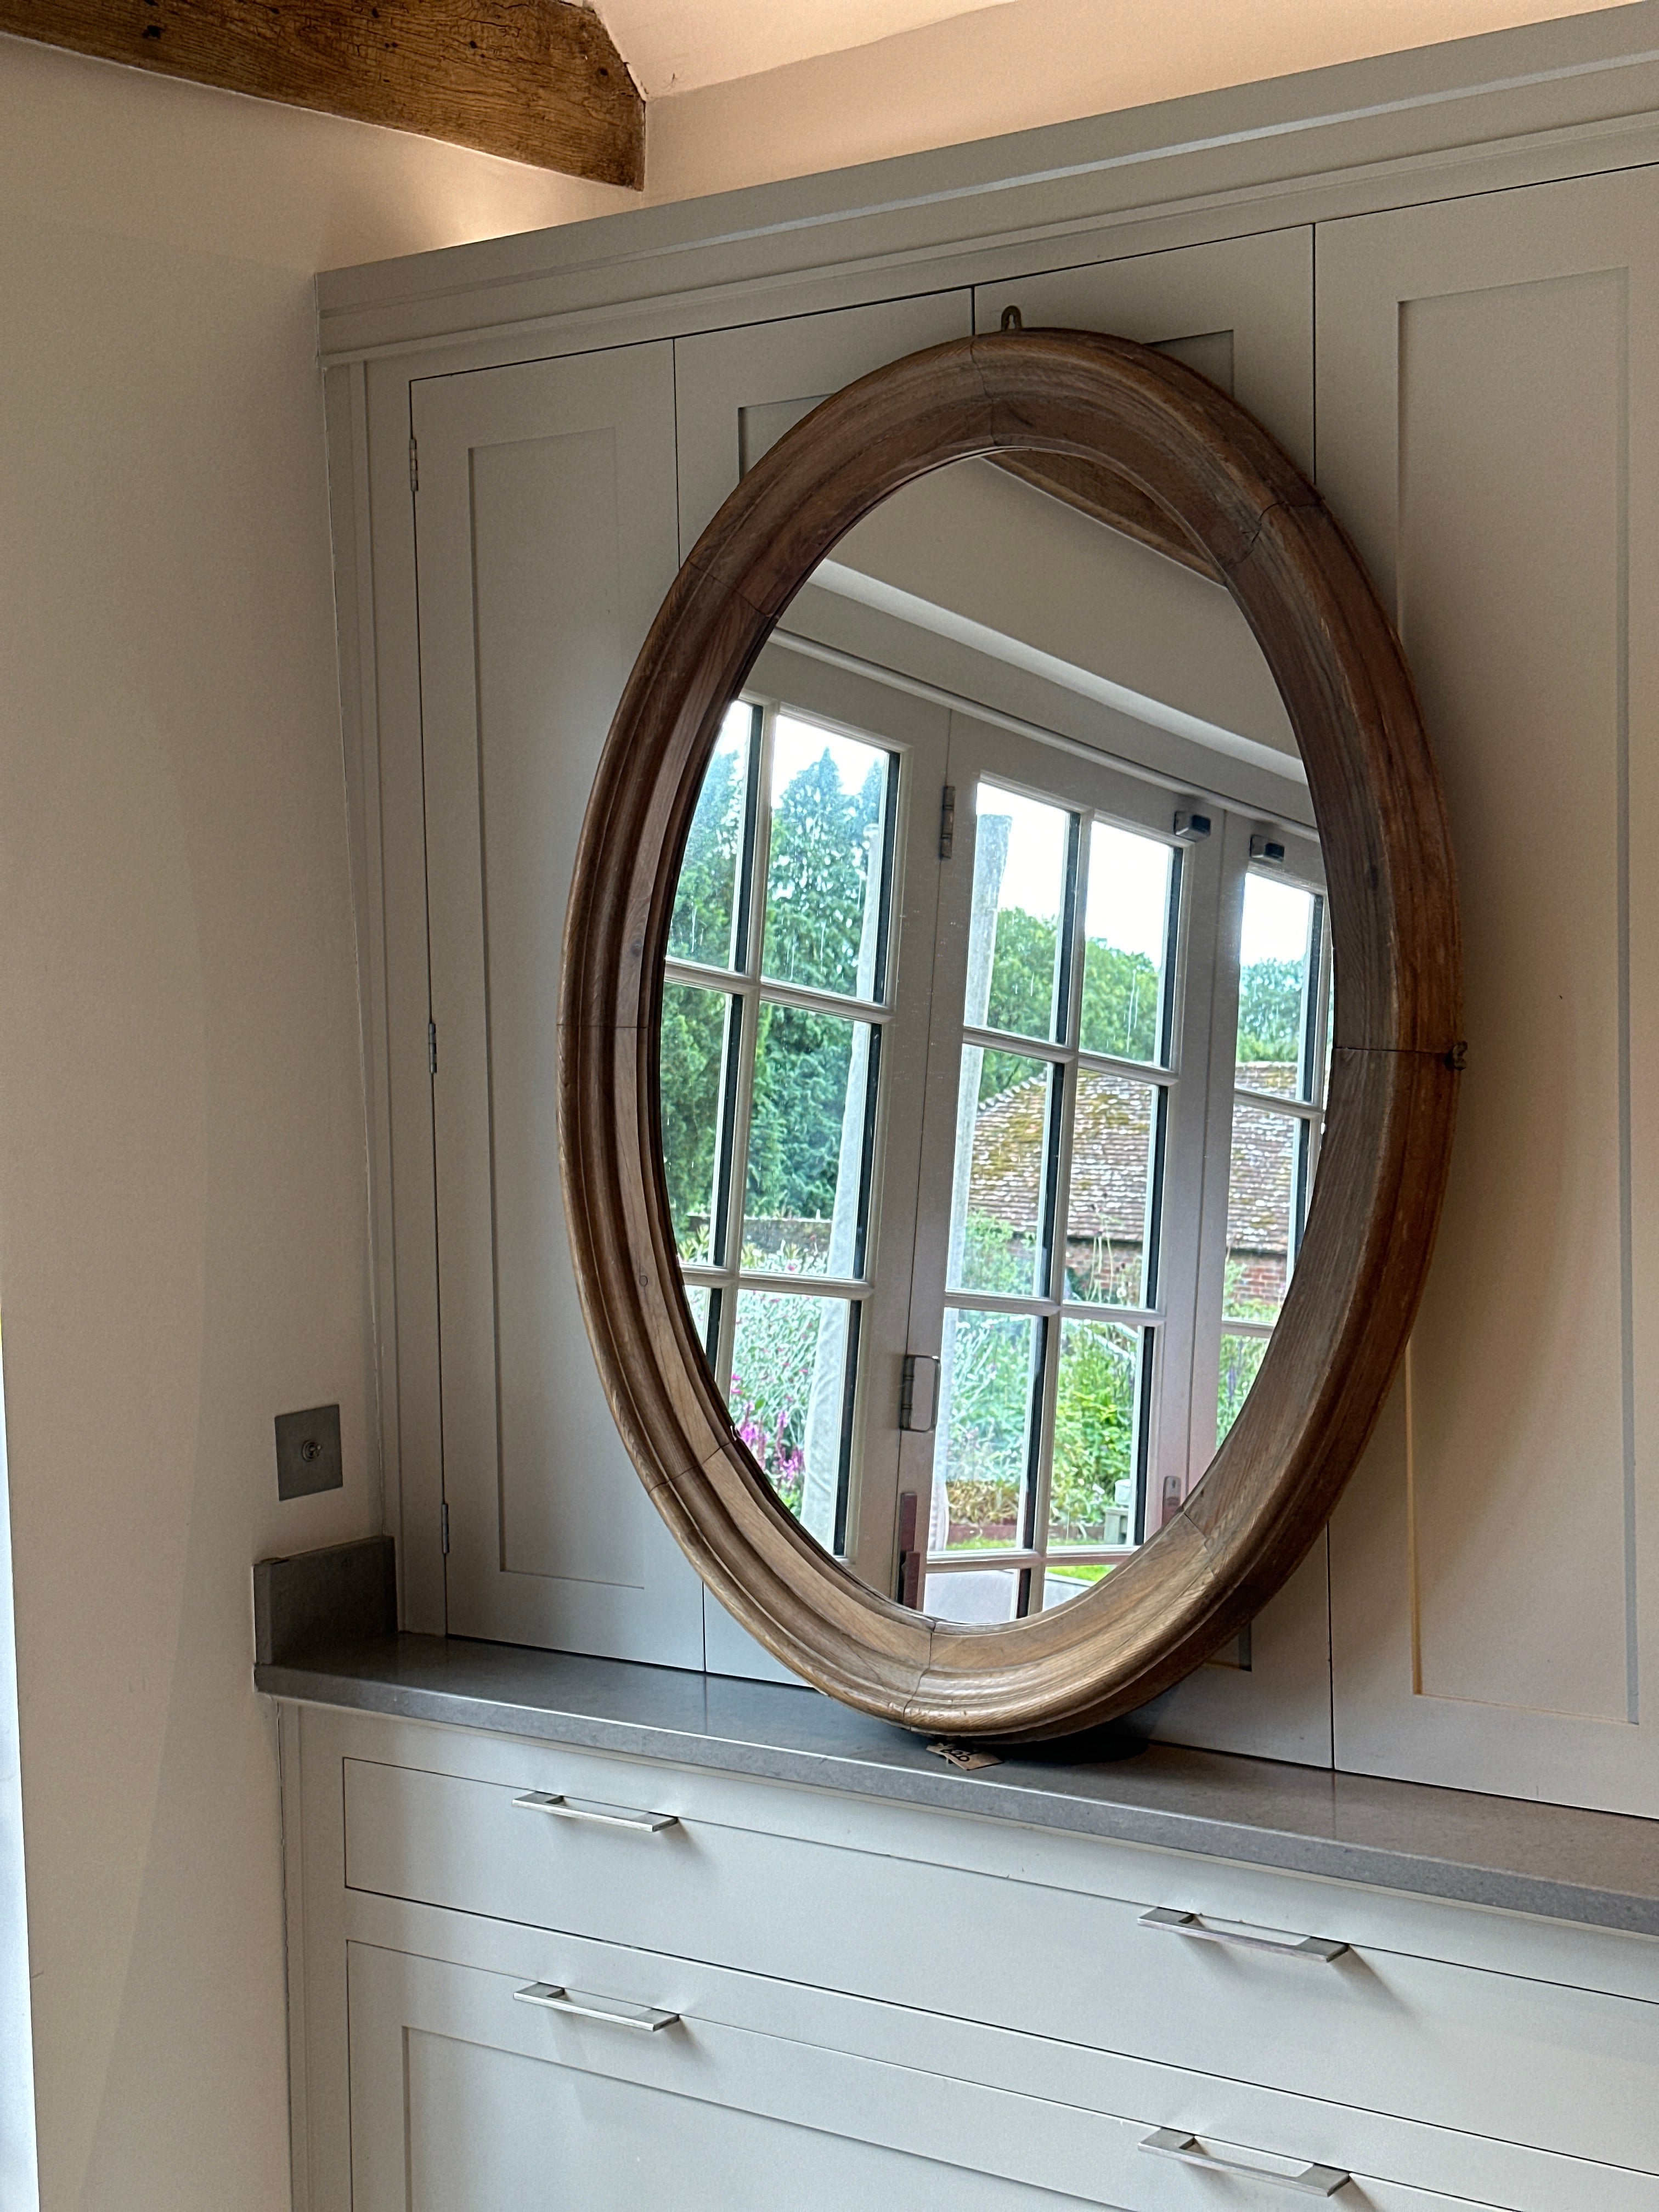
[1223, 482]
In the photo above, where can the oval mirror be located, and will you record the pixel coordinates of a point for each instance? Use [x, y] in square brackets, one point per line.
[1010, 1033]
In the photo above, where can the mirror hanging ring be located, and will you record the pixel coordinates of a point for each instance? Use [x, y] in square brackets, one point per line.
[1230, 489]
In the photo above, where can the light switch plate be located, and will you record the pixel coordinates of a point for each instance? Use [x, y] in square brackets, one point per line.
[308, 1452]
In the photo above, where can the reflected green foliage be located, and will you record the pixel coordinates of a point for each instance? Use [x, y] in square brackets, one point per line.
[1240, 1359]
[816, 875]
[1022, 996]
[693, 1045]
[1094, 1429]
[1270, 1011]
[773, 1355]
[999, 1257]
[1121, 997]
[815, 920]
[991, 1383]
[705, 897]
[801, 1066]
[1121, 1002]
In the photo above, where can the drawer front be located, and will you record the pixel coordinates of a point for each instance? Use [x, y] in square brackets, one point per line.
[466, 2098]
[1529, 2063]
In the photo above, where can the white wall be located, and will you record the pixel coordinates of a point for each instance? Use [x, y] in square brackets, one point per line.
[1012, 67]
[183, 1239]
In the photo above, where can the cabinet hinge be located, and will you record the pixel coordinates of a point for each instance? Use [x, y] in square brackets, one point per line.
[947, 821]
[432, 1048]
[414, 465]
[443, 1524]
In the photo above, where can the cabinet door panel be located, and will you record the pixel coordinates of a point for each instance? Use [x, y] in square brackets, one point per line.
[738, 391]
[1240, 312]
[1489, 429]
[545, 538]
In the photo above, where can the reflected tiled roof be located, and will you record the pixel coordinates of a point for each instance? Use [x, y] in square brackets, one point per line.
[1111, 1143]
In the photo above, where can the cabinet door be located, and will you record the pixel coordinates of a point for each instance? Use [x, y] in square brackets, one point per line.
[1489, 432]
[545, 538]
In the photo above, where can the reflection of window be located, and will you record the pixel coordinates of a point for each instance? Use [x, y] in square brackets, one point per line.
[1279, 1096]
[1046, 1111]
[1055, 1205]
[774, 999]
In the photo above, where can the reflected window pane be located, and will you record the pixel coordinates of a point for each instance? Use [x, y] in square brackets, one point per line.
[1277, 948]
[1241, 1357]
[813, 1096]
[1261, 1198]
[1091, 1495]
[1114, 1126]
[828, 799]
[974, 1599]
[1126, 931]
[1022, 860]
[998, 1238]
[706, 897]
[698, 1298]
[690, 1092]
[981, 1453]
[788, 1399]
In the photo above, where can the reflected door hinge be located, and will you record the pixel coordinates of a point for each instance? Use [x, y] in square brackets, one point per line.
[947, 821]
[432, 1048]
[443, 1523]
[414, 465]
[918, 1391]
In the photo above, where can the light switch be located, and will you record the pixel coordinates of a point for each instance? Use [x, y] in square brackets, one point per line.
[308, 1452]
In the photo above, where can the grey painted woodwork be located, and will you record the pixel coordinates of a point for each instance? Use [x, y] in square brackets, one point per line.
[1488, 415]
[545, 536]
[880, 1996]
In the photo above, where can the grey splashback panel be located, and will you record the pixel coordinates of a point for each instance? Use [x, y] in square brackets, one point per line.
[347, 1593]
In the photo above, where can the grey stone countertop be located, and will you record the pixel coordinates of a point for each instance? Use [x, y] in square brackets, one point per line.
[1600, 1869]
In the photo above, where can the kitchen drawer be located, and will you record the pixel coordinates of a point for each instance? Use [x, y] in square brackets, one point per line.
[1528, 2061]
[468, 2097]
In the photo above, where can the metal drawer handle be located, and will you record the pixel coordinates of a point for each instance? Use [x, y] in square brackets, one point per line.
[1312, 2181]
[1288, 1947]
[603, 1816]
[614, 2012]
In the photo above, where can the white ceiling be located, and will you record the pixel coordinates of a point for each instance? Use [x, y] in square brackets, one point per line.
[673, 46]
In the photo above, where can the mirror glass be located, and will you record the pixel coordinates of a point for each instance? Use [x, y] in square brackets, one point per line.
[994, 1037]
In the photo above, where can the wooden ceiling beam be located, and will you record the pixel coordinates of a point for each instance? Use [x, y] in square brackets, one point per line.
[537, 81]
